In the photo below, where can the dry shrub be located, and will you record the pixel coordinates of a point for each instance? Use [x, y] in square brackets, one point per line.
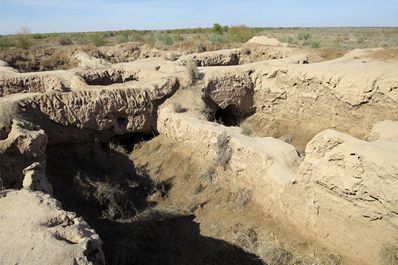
[2, 187]
[246, 130]
[118, 148]
[224, 151]
[245, 237]
[171, 56]
[113, 200]
[192, 71]
[177, 107]
[23, 38]
[8, 111]
[389, 255]
[241, 198]
[207, 174]
[287, 138]
[277, 256]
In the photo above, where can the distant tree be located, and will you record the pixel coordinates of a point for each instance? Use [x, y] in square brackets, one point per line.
[217, 28]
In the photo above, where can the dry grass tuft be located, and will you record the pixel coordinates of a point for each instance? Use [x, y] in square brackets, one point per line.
[224, 151]
[207, 174]
[241, 198]
[389, 255]
[192, 71]
[8, 111]
[177, 107]
[2, 187]
[113, 200]
[246, 130]
[245, 237]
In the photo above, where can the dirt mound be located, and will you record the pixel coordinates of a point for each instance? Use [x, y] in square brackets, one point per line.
[33, 224]
[264, 40]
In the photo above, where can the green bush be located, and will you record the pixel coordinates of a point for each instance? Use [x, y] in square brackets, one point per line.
[130, 36]
[98, 40]
[39, 36]
[239, 34]
[163, 39]
[109, 34]
[214, 38]
[304, 36]
[338, 42]
[217, 28]
[315, 44]
[178, 37]
[64, 40]
[6, 42]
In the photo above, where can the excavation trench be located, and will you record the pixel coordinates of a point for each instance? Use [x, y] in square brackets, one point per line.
[108, 77]
[101, 183]
[40, 59]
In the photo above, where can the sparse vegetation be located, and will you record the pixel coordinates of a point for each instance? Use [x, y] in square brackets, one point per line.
[240, 198]
[245, 130]
[239, 34]
[8, 111]
[207, 174]
[177, 107]
[110, 197]
[5, 43]
[389, 255]
[2, 187]
[224, 151]
[216, 37]
[98, 40]
[23, 38]
[245, 237]
[192, 71]
[304, 36]
[65, 40]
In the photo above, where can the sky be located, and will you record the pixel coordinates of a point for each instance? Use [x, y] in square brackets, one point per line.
[101, 15]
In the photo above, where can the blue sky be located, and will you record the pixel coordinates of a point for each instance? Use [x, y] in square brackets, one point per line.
[97, 15]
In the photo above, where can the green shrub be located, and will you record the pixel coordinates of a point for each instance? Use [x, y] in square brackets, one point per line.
[108, 34]
[304, 36]
[239, 34]
[338, 42]
[217, 28]
[130, 36]
[98, 40]
[315, 44]
[64, 40]
[163, 39]
[178, 37]
[6, 42]
[215, 38]
[39, 36]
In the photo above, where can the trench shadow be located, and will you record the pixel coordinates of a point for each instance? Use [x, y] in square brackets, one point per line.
[147, 237]
[166, 238]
